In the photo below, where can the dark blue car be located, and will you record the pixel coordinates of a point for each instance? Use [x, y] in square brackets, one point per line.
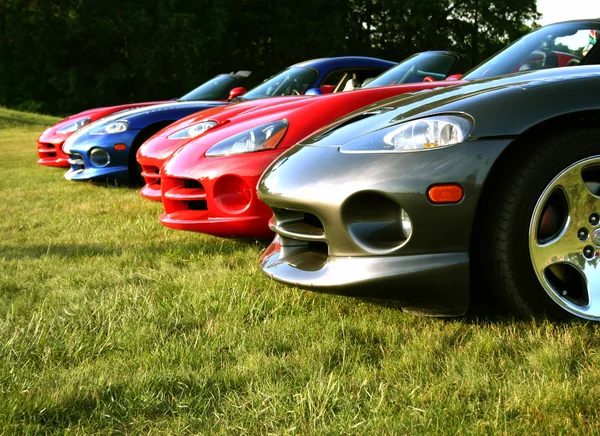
[105, 150]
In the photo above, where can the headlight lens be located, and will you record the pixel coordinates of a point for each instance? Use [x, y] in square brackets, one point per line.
[111, 128]
[423, 134]
[265, 137]
[193, 131]
[73, 127]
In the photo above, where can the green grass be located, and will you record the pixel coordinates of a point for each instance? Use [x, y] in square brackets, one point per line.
[110, 323]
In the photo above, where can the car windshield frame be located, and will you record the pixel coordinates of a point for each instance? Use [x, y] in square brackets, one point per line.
[519, 52]
[213, 89]
[405, 70]
[278, 81]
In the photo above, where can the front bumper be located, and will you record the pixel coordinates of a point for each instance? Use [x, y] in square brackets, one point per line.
[49, 150]
[120, 174]
[217, 195]
[151, 156]
[413, 280]
[83, 169]
[337, 217]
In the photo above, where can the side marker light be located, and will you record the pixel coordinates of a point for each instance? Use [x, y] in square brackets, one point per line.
[445, 194]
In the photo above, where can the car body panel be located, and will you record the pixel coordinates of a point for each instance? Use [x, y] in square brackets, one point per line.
[317, 179]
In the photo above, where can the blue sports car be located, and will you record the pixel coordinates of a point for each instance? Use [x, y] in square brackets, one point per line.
[105, 150]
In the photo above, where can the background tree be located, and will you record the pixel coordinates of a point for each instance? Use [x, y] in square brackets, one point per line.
[62, 56]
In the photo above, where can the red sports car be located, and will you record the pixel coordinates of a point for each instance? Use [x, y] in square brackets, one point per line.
[428, 66]
[50, 142]
[209, 185]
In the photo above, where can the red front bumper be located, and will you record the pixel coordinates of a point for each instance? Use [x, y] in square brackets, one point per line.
[51, 154]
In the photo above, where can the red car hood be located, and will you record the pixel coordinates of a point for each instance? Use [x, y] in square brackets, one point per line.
[224, 114]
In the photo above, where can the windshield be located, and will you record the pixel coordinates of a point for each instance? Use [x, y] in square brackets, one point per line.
[293, 81]
[557, 45]
[415, 68]
[215, 89]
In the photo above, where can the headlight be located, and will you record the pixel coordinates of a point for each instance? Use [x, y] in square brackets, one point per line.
[193, 131]
[73, 127]
[424, 134]
[110, 128]
[265, 137]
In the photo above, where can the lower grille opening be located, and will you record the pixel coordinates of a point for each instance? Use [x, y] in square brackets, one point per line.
[304, 255]
[151, 169]
[197, 205]
[312, 220]
[191, 184]
[318, 247]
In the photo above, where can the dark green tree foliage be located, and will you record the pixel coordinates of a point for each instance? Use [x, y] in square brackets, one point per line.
[62, 56]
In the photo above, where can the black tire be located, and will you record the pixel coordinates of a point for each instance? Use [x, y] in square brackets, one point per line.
[502, 253]
[135, 169]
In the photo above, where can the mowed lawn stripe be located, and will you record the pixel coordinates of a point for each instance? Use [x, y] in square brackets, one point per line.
[111, 323]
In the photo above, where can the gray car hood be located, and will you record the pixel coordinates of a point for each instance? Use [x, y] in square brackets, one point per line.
[520, 96]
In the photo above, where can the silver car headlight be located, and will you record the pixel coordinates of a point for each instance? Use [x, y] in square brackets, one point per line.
[74, 126]
[423, 134]
[111, 128]
[193, 131]
[265, 137]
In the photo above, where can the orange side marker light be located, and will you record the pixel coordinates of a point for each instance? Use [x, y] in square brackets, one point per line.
[445, 194]
[120, 147]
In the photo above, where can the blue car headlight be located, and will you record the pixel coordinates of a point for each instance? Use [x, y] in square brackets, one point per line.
[193, 130]
[74, 126]
[265, 137]
[417, 135]
[111, 128]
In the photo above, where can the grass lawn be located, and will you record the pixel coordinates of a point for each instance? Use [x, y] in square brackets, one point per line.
[111, 323]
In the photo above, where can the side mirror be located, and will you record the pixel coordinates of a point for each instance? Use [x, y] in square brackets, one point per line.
[236, 92]
[428, 79]
[327, 89]
[454, 77]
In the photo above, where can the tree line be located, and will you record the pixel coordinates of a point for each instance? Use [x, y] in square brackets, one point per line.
[63, 56]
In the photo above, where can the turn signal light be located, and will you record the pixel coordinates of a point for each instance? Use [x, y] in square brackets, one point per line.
[445, 194]
[120, 147]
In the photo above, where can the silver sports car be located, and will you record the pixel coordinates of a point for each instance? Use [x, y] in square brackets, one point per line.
[489, 187]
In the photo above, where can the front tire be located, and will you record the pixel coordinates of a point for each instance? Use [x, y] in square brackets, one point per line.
[539, 241]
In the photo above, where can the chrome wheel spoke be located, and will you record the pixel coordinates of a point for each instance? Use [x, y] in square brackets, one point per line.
[564, 249]
[592, 275]
[564, 239]
[581, 202]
